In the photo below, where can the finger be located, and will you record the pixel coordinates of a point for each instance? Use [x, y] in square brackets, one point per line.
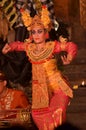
[63, 58]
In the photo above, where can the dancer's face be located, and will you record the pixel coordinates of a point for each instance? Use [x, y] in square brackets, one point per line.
[38, 34]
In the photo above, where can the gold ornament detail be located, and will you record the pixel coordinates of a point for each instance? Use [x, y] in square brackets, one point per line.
[26, 17]
[42, 18]
[45, 17]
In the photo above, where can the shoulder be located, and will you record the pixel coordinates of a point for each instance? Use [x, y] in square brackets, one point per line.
[50, 43]
[29, 46]
[57, 47]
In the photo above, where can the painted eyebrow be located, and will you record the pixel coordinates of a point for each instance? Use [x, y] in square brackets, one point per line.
[39, 30]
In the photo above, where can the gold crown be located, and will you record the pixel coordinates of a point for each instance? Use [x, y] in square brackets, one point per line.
[40, 19]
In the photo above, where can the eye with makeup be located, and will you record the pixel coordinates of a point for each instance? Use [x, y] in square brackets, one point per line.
[38, 31]
[33, 32]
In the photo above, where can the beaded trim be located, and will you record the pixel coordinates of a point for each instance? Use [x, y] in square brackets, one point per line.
[42, 56]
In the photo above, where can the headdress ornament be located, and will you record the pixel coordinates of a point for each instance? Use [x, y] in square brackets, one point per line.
[41, 19]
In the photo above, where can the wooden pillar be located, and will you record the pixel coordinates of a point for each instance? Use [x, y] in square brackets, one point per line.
[62, 10]
[83, 13]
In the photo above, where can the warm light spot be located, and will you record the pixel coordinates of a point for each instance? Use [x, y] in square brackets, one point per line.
[83, 83]
[75, 87]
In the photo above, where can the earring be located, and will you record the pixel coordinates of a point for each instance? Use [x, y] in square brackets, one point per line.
[47, 35]
[30, 37]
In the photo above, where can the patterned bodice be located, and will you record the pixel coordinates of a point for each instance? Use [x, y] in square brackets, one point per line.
[41, 56]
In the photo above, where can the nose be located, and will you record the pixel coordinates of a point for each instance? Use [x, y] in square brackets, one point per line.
[37, 33]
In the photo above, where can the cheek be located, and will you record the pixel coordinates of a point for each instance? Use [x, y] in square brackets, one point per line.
[42, 36]
[34, 36]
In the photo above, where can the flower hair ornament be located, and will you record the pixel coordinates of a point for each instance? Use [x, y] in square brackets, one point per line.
[42, 19]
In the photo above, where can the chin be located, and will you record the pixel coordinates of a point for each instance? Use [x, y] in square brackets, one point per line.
[38, 42]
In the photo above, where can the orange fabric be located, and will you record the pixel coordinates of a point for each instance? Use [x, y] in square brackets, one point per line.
[13, 99]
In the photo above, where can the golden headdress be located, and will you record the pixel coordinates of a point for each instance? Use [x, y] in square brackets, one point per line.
[40, 19]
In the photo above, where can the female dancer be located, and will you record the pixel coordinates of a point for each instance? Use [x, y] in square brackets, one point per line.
[51, 92]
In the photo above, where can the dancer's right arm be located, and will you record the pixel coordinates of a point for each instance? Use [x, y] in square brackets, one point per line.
[18, 46]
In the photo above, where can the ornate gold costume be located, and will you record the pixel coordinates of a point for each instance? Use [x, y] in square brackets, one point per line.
[46, 77]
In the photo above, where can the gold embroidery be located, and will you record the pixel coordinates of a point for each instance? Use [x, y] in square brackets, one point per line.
[41, 56]
[5, 102]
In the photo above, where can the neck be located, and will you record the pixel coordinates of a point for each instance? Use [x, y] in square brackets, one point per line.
[40, 45]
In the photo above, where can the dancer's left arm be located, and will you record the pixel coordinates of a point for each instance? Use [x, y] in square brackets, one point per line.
[71, 49]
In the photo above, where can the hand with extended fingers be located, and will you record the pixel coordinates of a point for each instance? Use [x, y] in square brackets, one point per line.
[6, 48]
